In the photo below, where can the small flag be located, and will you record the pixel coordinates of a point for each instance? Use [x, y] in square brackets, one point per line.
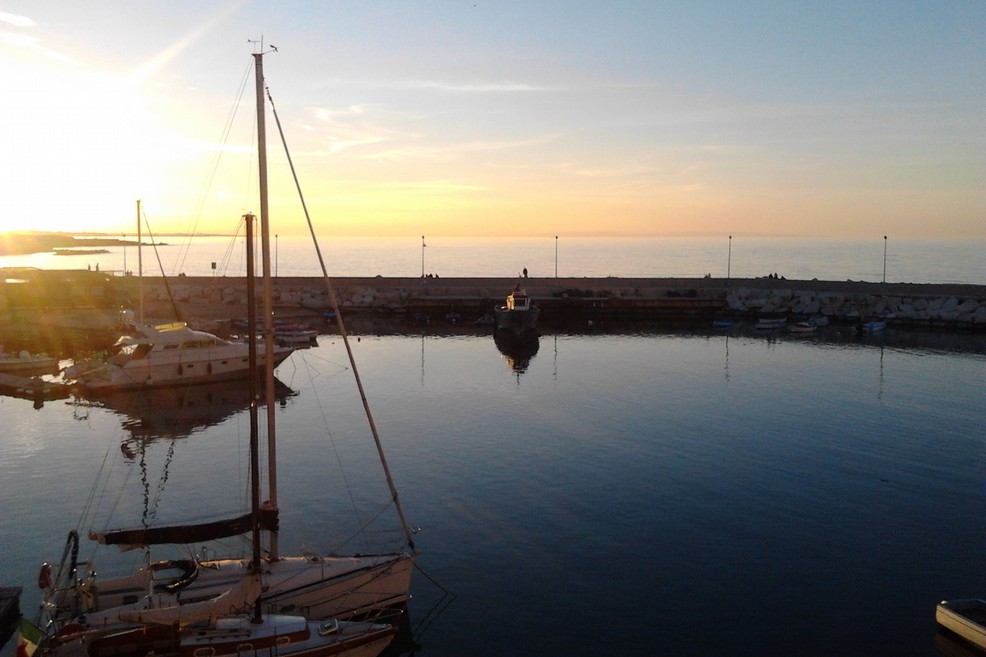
[28, 639]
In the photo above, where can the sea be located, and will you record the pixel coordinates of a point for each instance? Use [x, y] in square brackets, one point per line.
[604, 489]
[876, 260]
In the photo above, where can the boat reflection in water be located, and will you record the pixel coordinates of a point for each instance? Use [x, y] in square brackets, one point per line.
[518, 348]
[180, 411]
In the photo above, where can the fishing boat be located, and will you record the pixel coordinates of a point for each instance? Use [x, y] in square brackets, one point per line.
[229, 624]
[966, 618]
[366, 585]
[518, 313]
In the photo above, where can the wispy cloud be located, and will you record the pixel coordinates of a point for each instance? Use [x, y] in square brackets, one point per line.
[16, 21]
[439, 85]
[351, 127]
[163, 58]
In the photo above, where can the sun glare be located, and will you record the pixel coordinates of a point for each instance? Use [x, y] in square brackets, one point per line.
[82, 152]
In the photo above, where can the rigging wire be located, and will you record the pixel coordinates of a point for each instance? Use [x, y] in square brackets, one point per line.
[329, 288]
[224, 141]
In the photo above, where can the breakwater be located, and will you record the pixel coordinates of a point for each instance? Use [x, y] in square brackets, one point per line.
[63, 313]
[959, 307]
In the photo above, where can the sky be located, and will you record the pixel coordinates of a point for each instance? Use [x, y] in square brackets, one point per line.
[509, 118]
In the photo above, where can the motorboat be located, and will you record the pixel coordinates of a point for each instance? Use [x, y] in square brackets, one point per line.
[165, 355]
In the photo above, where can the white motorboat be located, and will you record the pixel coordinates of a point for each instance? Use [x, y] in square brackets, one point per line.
[165, 355]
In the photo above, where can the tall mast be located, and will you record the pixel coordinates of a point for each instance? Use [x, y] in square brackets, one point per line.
[252, 387]
[140, 271]
[268, 295]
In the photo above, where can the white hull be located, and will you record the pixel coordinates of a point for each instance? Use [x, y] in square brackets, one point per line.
[315, 587]
[270, 636]
[966, 618]
[180, 367]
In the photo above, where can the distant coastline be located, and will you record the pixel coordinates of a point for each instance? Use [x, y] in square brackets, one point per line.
[61, 244]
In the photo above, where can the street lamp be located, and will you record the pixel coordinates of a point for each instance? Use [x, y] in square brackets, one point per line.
[729, 259]
[556, 256]
[884, 258]
[422, 256]
[275, 255]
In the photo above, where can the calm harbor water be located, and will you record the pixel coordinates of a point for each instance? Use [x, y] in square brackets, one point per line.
[613, 494]
[909, 261]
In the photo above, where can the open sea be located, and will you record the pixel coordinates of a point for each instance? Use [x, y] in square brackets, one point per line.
[633, 491]
[891, 260]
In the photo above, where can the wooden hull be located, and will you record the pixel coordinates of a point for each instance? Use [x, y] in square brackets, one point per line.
[966, 618]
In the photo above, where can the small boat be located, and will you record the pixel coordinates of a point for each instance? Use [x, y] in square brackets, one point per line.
[25, 361]
[770, 323]
[871, 327]
[802, 327]
[518, 313]
[964, 617]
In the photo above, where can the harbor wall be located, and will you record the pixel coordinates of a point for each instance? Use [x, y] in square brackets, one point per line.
[68, 312]
[906, 304]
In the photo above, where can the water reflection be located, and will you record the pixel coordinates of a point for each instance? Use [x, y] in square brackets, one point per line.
[179, 411]
[517, 348]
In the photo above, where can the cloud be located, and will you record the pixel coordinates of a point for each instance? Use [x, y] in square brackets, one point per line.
[16, 21]
[163, 58]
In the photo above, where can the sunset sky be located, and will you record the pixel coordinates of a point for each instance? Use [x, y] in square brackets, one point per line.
[478, 118]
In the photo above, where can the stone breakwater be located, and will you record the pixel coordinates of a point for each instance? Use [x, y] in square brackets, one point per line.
[903, 304]
[844, 306]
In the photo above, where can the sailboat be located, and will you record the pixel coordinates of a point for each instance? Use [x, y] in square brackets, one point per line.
[164, 355]
[322, 587]
[220, 626]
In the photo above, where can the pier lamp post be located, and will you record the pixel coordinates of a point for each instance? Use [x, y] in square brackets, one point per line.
[729, 259]
[556, 256]
[422, 256]
[124, 254]
[275, 255]
[884, 258]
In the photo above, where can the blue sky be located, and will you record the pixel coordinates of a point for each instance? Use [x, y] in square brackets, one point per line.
[474, 118]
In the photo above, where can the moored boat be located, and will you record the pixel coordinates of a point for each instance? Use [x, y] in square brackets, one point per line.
[770, 323]
[802, 327]
[518, 313]
[966, 618]
[26, 362]
[165, 355]
[872, 326]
